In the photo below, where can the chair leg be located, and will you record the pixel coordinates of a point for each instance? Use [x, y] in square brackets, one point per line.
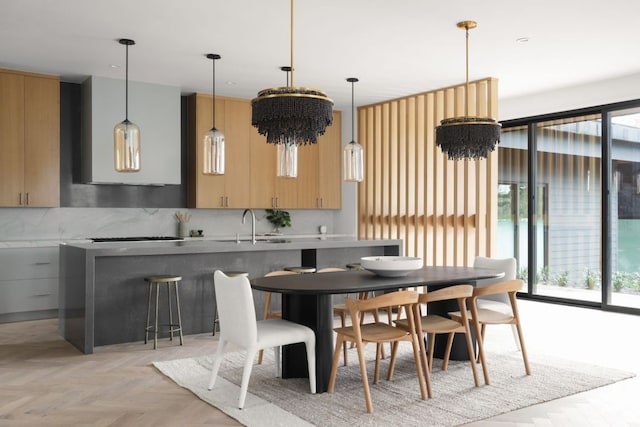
[276, 357]
[363, 375]
[392, 363]
[516, 337]
[418, 358]
[246, 374]
[311, 364]
[334, 367]
[178, 310]
[525, 359]
[474, 368]
[425, 365]
[480, 338]
[146, 329]
[216, 362]
[432, 345]
[343, 323]
[447, 352]
[376, 372]
[170, 312]
[265, 316]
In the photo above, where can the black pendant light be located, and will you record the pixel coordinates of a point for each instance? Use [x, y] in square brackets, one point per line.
[126, 134]
[467, 138]
[286, 114]
[352, 155]
[214, 139]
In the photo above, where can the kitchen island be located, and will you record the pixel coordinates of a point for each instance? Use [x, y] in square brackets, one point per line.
[103, 297]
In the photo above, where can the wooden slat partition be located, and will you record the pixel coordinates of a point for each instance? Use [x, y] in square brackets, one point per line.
[445, 211]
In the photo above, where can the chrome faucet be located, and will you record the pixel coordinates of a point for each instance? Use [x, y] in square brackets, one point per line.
[253, 224]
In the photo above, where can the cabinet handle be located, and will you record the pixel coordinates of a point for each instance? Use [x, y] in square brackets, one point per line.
[20, 199]
[276, 202]
[42, 295]
[321, 202]
[226, 201]
[222, 201]
[273, 202]
[41, 263]
[27, 199]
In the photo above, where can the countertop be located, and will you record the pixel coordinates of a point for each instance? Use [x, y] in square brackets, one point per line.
[208, 245]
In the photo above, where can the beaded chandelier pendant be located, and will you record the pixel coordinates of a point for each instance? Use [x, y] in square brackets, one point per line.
[467, 138]
[291, 114]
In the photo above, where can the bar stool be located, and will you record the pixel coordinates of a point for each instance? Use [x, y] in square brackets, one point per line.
[156, 281]
[301, 270]
[216, 320]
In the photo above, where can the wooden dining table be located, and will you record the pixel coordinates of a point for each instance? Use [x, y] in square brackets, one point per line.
[306, 299]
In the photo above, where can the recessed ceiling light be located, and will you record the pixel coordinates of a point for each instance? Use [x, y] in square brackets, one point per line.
[230, 83]
[522, 39]
[114, 65]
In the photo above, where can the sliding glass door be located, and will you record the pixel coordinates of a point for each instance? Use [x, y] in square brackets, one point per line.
[554, 232]
[625, 208]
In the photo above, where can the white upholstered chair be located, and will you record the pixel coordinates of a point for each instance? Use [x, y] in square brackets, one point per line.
[499, 302]
[238, 325]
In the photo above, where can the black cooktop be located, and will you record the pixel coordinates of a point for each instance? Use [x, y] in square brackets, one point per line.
[133, 239]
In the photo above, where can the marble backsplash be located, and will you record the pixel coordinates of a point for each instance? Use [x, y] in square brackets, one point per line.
[80, 223]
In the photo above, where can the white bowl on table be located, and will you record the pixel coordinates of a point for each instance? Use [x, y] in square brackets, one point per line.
[391, 266]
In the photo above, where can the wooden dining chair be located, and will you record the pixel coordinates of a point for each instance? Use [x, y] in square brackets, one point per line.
[485, 316]
[498, 302]
[267, 313]
[433, 324]
[379, 333]
[238, 326]
[341, 311]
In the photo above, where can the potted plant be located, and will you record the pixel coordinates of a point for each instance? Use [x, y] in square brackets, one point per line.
[278, 218]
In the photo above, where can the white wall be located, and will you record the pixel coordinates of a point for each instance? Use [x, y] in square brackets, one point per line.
[620, 89]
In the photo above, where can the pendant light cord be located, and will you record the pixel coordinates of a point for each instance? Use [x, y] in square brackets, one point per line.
[213, 85]
[353, 112]
[466, 91]
[291, 53]
[126, 84]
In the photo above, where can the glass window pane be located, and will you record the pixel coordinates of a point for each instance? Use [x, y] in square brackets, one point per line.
[568, 208]
[625, 208]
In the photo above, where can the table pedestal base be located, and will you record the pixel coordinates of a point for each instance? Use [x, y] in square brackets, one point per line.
[316, 312]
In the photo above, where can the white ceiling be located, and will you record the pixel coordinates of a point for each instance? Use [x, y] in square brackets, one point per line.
[395, 47]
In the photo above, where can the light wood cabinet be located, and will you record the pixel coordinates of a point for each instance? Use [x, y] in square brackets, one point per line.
[250, 179]
[233, 118]
[29, 140]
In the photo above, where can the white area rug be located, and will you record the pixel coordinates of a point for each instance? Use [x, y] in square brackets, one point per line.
[276, 402]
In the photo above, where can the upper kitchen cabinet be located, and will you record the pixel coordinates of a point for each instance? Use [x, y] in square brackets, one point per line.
[319, 181]
[267, 190]
[319, 169]
[29, 139]
[154, 108]
[233, 119]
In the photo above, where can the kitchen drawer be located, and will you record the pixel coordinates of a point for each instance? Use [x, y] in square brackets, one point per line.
[28, 295]
[28, 263]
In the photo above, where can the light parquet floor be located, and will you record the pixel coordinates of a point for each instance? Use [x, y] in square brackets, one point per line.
[44, 381]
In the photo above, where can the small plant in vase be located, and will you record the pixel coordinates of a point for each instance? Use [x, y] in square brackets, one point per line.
[279, 219]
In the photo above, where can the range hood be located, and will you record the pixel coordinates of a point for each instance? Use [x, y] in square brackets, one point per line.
[155, 108]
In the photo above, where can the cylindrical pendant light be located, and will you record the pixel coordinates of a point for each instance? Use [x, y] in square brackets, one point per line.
[287, 152]
[287, 160]
[214, 139]
[126, 134]
[352, 155]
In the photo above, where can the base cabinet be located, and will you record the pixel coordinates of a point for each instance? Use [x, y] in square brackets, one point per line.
[29, 283]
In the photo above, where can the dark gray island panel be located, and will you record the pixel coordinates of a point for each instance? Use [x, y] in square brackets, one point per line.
[103, 297]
